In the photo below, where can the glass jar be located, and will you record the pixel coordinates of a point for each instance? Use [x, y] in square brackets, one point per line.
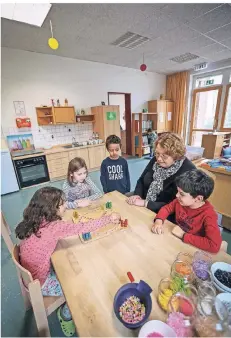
[183, 270]
[165, 292]
[181, 309]
[206, 290]
[202, 277]
[184, 257]
[211, 318]
[201, 264]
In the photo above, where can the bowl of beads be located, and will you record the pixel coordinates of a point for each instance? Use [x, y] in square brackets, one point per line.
[156, 328]
[221, 273]
[133, 304]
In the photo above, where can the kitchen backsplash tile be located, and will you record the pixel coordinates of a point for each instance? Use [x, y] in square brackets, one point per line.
[54, 135]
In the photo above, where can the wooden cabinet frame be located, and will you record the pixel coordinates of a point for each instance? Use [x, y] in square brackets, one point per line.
[225, 108]
[215, 124]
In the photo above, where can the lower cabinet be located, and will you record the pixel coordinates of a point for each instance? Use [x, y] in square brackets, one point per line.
[58, 162]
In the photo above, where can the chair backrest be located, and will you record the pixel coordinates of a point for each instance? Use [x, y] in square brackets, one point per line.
[5, 232]
[24, 273]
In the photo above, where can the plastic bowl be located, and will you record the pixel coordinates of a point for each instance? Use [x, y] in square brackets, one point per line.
[126, 291]
[158, 327]
[224, 267]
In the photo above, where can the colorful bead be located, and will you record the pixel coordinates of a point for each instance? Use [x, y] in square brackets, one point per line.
[132, 311]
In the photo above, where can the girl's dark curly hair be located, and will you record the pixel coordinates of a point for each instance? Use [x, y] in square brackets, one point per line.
[43, 206]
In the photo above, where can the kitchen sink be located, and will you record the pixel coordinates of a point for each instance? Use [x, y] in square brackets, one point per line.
[74, 145]
[67, 147]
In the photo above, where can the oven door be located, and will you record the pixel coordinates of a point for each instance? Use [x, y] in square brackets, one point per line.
[32, 173]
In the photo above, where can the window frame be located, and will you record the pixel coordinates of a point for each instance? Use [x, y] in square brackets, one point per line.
[215, 124]
[228, 88]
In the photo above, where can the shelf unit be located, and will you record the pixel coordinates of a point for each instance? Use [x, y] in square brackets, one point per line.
[44, 116]
[139, 125]
[85, 118]
[214, 142]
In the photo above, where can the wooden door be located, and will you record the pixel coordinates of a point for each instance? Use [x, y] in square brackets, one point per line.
[64, 115]
[111, 121]
[161, 109]
[96, 156]
[83, 153]
[169, 115]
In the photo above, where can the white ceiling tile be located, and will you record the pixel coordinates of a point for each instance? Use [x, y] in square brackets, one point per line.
[154, 26]
[212, 20]
[227, 42]
[210, 50]
[187, 12]
[221, 33]
[226, 54]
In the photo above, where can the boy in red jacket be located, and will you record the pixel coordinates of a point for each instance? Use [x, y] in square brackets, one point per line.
[196, 218]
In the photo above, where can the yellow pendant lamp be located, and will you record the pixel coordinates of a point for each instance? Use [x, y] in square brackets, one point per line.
[52, 42]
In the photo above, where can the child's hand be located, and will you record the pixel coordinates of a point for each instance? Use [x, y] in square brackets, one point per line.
[178, 232]
[158, 227]
[132, 199]
[83, 203]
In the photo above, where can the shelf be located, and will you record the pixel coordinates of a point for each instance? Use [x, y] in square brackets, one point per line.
[41, 117]
[43, 107]
[85, 121]
[149, 113]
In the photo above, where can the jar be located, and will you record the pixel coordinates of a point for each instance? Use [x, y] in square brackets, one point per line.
[211, 318]
[202, 277]
[202, 262]
[164, 293]
[206, 290]
[184, 257]
[183, 270]
[181, 309]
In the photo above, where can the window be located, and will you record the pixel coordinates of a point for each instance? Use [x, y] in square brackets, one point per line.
[205, 109]
[209, 81]
[226, 116]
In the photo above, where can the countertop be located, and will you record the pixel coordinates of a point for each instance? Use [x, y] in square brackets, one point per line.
[56, 149]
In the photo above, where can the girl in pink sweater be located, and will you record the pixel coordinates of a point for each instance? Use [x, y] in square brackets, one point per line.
[39, 232]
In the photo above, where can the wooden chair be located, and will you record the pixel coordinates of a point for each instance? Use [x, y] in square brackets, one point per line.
[31, 289]
[5, 232]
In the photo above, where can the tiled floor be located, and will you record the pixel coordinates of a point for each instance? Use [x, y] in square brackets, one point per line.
[15, 322]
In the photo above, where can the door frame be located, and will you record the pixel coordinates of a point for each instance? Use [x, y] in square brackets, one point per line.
[128, 118]
[215, 124]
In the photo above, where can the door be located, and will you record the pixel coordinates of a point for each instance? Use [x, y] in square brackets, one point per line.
[169, 115]
[64, 115]
[205, 109]
[161, 109]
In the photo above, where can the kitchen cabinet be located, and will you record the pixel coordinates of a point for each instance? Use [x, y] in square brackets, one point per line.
[83, 153]
[106, 121]
[57, 164]
[55, 115]
[96, 156]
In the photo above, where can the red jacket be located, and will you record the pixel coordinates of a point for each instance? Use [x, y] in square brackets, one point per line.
[200, 225]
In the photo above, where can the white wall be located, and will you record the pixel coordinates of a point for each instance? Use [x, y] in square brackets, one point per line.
[36, 78]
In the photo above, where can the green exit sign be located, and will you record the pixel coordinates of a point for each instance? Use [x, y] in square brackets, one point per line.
[111, 115]
[209, 82]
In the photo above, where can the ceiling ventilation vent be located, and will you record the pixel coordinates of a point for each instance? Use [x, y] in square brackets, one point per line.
[130, 40]
[184, 58]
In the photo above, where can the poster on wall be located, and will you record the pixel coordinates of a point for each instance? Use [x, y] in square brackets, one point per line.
[20, 142]
[19, 108]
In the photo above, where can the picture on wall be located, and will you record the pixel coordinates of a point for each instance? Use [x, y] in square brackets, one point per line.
[20, 142]
[20, 109]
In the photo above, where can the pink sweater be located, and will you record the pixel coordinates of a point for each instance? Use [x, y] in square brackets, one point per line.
[35, 252]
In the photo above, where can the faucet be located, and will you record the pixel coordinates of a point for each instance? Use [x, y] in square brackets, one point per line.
[73, 141]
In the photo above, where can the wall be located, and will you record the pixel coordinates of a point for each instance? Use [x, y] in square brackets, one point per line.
[36, 78]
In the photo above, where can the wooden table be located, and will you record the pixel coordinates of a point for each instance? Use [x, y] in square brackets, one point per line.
[91, 274]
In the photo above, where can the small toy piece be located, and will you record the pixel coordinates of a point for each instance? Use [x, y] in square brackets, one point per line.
[75, 214]
[126, 223]
[86, 236]
[109, 205]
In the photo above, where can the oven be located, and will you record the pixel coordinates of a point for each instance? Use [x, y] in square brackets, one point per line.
[31, 171]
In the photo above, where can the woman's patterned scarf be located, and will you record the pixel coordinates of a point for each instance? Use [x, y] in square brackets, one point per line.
[159, 175]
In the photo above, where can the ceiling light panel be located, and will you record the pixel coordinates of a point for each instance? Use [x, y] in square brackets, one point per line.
[32, 14]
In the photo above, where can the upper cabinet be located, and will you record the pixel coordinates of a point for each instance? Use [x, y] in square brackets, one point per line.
[55, 115]
[107, 121]
[164, 110]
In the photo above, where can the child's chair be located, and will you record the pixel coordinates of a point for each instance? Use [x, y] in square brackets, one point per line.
[31, 289]
[5, 232]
